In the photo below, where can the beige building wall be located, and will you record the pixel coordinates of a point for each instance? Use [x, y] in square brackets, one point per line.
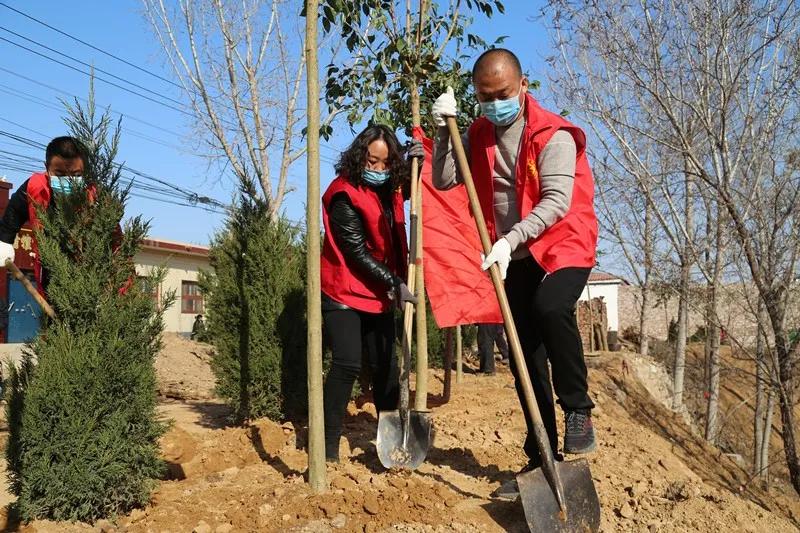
[180, 267]
[609, 292]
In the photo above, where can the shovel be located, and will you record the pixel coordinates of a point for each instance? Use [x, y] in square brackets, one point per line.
[22, 278]
[559, 496]
[404, 436]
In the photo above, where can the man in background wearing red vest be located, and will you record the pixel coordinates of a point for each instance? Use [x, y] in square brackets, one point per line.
[64, 165]
[536, 192]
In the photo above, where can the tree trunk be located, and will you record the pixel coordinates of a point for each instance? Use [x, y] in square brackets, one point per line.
[448, 364]
[776, 309]
[459, 355]
[758, 416]
[316, 428]
[680, 343]
[683, 303]
[786, 398]
[766, 438]
[644, 340]
[713, 332]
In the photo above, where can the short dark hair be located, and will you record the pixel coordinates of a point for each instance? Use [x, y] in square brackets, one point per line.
[351, 162]
[66, 147]
[484, 59]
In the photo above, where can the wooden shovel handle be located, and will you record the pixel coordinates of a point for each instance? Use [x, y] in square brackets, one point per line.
[513, 339]
[22, 278]
[408, 308]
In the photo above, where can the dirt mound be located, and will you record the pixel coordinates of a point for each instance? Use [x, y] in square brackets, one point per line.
[651, 471]
[182, 369]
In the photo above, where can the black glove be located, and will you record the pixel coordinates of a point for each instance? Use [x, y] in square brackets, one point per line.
[414, 149]
[403, 294]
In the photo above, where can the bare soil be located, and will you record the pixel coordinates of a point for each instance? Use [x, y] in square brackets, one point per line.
[652, 472]
[182, 369]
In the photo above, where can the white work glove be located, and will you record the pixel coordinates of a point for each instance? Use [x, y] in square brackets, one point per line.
[444, 106]
[6, 252]
[500, 254]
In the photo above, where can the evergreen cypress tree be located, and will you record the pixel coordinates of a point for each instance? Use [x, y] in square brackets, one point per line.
[83, 423]
[255, 311]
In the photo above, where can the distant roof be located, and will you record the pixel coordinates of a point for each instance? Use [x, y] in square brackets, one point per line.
[598, 276]
[175, 247]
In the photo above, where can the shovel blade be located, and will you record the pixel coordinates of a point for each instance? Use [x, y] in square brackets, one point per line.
[396, 451]
[541, 507]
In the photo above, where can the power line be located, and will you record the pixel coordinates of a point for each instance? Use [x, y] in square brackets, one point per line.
[109, 54]
[84, 100]
[95, 76]
[90, 65]
[191, 197]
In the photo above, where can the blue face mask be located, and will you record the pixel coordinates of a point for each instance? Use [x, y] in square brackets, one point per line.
[501, 112]
[376, 178]
[63, 184]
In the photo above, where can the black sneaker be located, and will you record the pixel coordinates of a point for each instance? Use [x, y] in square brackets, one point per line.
[510, 489]
[579, 436]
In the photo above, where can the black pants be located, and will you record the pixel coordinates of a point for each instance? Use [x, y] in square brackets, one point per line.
[350, 333]
[544, 313]
[488, 336]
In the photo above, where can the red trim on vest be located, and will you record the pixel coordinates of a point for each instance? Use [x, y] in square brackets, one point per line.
[570, 242]
[338, 281]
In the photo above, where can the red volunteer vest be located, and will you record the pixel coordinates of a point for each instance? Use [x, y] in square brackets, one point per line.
[387, 245]
[39, 194]
[570, 242]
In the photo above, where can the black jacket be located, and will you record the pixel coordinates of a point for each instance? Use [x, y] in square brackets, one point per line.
[347, 228]
[16, 214]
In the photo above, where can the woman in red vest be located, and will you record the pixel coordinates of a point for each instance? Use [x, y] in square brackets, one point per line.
[536, 192]
[363, 264]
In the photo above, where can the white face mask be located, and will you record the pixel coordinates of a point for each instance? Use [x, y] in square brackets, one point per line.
[64, 184]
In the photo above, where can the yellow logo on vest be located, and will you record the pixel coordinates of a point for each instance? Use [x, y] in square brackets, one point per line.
[533, 173]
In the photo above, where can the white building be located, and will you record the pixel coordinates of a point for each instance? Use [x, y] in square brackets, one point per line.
[183, 263]
[605, 286]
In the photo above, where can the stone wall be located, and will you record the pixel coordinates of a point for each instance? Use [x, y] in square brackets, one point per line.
[736, 312]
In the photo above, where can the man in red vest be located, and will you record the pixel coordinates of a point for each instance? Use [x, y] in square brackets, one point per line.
[64, 165]
[536, 192]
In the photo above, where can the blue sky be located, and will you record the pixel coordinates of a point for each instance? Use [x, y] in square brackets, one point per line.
[157, 141]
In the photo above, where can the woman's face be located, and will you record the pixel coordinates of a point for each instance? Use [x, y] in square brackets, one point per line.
[377, 156]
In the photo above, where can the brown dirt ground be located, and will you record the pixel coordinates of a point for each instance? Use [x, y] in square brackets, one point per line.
[651, 471]
[182, 369]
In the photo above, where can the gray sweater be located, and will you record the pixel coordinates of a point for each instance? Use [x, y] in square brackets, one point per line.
[556, 164]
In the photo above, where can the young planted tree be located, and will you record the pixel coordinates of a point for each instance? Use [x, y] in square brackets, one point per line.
[316, 429]
[714, 84]
[83, 424]
[255, 311]
[400, 53]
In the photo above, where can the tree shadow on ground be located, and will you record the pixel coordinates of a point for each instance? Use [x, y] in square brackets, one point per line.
[274, 461]
[508, 515]
[10, 519]
[213, 415]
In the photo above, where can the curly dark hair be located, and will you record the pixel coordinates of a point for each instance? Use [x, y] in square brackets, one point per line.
[352, 161]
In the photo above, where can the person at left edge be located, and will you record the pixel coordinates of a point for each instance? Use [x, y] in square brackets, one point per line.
[65, 164]
[363, 264]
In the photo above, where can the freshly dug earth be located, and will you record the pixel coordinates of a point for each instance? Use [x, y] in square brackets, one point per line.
[652, 473]
[182, 369]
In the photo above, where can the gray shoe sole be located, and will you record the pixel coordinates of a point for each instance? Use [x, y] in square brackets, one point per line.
[508, 491]
[577, 451]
